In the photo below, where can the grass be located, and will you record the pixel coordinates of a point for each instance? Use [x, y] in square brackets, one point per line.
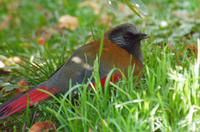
[168, 95]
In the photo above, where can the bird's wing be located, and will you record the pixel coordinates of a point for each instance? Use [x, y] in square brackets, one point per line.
[79, 67]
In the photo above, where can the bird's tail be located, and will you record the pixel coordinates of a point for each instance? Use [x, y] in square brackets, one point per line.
[19, 102]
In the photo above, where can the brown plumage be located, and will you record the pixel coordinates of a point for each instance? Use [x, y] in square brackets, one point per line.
[120, 57]
[121, 48]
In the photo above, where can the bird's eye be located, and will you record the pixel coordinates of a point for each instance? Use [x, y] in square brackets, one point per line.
[127, 36]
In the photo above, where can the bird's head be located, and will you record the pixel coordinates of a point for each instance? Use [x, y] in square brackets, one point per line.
[128, 37]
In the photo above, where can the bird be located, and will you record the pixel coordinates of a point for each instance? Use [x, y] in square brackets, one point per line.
[121, 49]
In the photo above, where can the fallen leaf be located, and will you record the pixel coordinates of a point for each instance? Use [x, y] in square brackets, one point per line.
[45, 35]
[14, 60]
[91, 4]
[23, 86]
[68, 22]
[43, 126]
[192, 48]
[42, 40]
[5, 23]
[22, 83]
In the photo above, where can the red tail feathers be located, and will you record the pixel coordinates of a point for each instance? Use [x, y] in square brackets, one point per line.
[20, 102]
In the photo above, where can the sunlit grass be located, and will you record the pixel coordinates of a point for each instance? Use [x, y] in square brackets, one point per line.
[166, 99]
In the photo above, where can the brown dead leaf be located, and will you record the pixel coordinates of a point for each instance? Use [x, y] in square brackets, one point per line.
[91, 4]
[43, 126]
[5, 23]
[68, 22]
[192, 48]
[180, 54]
[14, 60]
[42, 40]
[45, 35]
[23, 86]
[22, 83]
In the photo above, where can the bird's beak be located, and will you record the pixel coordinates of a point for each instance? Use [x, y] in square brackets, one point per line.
[145, 36]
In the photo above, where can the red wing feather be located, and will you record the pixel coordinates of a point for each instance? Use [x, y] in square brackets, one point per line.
[114, 78]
